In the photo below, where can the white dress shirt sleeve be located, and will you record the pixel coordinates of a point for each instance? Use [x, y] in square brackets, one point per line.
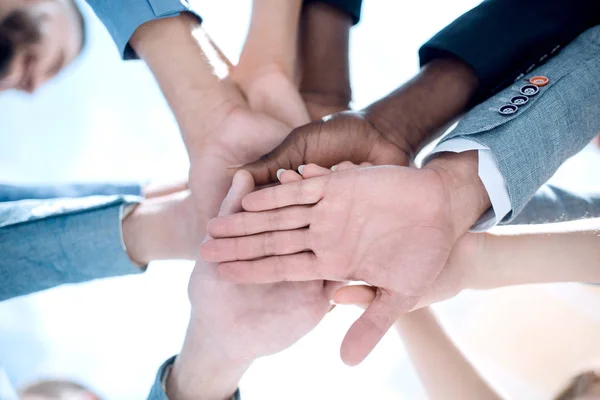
[490, 176]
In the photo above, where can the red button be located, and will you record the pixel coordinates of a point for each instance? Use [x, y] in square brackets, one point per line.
[539, 81]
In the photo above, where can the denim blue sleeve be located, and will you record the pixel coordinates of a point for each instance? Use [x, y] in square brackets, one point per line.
[123, 17]
[23, 192]
[158, 393]
[46, 243]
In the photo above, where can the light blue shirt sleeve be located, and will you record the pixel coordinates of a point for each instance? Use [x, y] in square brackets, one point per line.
[123, 17]
[9, 192]
[46, 243]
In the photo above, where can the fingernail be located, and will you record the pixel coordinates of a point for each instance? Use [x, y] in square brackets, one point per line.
[301, 168]
[279, 172]
[334, 168]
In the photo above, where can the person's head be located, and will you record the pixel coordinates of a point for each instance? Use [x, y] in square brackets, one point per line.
[585, 386]
[56, 390]
[38, 38]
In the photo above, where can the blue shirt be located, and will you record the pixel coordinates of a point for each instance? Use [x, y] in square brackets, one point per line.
[72, 238]
[123, 17]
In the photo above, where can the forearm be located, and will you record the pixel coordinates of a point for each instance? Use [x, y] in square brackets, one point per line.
[201, 373]
[444, 371]
[324, 50]
[189, 71]
[537, 258]
[272, 38]
[434, 98]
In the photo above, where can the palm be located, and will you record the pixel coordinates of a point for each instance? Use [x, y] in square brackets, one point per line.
[355, 228]
[270, 91]
[241, 315]
[240, 136]
[358, 231]
[239, 318]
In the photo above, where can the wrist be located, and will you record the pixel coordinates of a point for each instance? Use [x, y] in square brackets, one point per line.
[159, 229]
[200, 372]
[152, 32]
[424, 107]
[465, 196]
[476, 258]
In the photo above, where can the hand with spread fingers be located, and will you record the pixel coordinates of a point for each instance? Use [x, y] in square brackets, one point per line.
[392, 227]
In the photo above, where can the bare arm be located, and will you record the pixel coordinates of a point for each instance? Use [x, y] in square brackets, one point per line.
[190, 73]
[325, 65]
[537, 258]
[266, 72]
[217, 125]
[445, 372]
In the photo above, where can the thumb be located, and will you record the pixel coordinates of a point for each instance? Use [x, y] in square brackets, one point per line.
[288, 155]
[360, 295]
[242, 185]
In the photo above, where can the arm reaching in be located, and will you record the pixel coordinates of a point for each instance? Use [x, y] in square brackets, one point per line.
[267, 72]
[390, 131]
[444, 371]
[324, 59]
[218, 127]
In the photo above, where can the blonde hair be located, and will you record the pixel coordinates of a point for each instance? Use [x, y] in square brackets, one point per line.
[56, 390]
[578, 386]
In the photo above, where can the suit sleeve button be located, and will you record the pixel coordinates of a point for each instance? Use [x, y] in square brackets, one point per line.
[539, 81]
[529, 90]
[508, 109]
[519, 100]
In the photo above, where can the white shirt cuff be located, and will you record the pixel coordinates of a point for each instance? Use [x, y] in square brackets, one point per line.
[490, 176]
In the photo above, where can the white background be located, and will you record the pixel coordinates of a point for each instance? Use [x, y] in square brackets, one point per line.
[104, 119]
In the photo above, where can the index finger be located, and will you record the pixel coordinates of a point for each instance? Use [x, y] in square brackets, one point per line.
[308, 191]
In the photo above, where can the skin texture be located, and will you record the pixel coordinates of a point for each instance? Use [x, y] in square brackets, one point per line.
[161, 227]
[390, 131]
[267, 68]
[220, 129]
[218, 126]
[353, 225]
[477, 261]
[38, 38]
[324, 65]
[241, 322]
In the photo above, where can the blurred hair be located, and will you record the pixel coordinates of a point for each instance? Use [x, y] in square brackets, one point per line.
[17, 29]
[578, 386]
[56, 390]
[20, 28]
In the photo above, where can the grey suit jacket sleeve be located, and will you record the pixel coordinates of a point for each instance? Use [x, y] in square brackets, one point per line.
[553, 204]
[529, 145]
